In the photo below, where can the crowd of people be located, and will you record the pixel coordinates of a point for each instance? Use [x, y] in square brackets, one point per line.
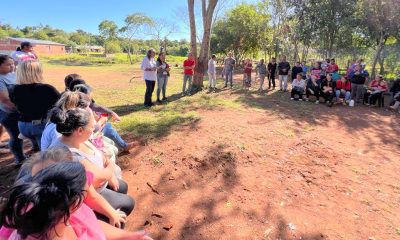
[321, 80]
[71, 186]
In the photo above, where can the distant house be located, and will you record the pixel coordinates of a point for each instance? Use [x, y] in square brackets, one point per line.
[41, 47]
[84, 49]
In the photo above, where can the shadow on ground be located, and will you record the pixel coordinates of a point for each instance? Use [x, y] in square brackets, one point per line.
[218, 169]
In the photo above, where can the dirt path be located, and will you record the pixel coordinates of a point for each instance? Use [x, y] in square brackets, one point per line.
[271, 174]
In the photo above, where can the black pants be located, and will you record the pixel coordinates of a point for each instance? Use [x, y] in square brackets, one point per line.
[149, 92]
[295, 91]
[328, 96]
[374, 97]
[316, 92]
[271, 78]
[119, 199]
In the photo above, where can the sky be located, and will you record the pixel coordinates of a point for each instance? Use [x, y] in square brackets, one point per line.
[71, 15]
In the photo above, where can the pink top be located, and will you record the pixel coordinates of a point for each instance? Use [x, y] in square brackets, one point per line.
[83, 221]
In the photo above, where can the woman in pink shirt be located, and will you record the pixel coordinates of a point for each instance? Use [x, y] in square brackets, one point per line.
[54, 183]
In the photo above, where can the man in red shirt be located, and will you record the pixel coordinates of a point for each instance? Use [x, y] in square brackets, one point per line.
[188, 67]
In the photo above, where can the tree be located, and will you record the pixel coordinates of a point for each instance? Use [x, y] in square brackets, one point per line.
[3, 33]
[108, 31]
[134, 24]
[161, 30]
[79, 38]
[244, 30]
[113, 46]
[381, 19]
[208, 8]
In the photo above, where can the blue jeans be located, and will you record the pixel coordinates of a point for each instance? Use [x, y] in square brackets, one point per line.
[10, 123]
[228, 77]
[32, 131]
[187, 78]
[345, 93]
[162, 81]
[112, 134]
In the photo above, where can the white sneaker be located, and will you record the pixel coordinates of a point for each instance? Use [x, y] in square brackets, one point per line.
[307, 100]
[292, 99]
[300, 99]
[317, 102]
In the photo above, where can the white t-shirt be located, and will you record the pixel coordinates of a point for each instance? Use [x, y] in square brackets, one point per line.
[149, 63]
[20, 56]
[211, 66]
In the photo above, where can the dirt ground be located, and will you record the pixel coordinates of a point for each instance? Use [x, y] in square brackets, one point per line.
[273, 169]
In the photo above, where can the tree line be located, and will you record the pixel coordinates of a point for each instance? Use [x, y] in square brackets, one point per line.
[307, 29]
[127, 38]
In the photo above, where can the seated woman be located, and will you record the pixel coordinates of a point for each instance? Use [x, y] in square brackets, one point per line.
[76, 126]
[108, 129]
[343, 88]
[67, 101]
[328, 87]
[313, 88]
[33, 99]
[317, 70]
[298, 86]
[51, 206]
[375, 90]
[94, 200]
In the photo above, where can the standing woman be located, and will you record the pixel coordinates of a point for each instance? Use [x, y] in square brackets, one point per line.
[149, 67]
[162, 76]
[8, 113]
[33, 99]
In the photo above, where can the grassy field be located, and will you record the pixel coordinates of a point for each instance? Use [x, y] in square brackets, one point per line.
[113, 89]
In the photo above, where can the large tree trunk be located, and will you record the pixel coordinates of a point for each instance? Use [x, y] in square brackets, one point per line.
[128, 51]
[379, 48]
[202, 60]
[381, 61]
[193, 42]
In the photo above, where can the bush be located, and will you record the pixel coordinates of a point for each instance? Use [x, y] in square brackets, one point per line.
[113, 47]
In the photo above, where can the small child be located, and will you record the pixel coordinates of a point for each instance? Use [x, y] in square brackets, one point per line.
[247, 73]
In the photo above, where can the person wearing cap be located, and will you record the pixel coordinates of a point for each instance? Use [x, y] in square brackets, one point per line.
[24, 53]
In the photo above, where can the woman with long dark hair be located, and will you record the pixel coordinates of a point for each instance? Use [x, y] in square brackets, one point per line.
[162, 76]
[41, 208]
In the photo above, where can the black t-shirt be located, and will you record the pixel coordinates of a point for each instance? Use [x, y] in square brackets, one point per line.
[358, 79]
[327, 83]
[295, 71]
[284, 68]
[272, 68]
[33, 101]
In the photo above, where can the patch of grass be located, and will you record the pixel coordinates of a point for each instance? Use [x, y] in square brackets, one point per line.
[286, 132]
[309, 128]
[75, 59]
[156, 159]
[149, 124]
